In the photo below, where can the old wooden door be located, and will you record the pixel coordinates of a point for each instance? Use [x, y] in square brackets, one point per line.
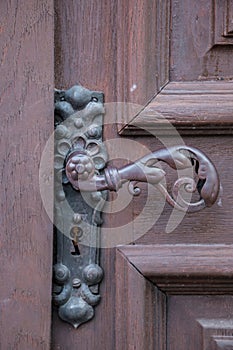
[167, 290]
[170, 289]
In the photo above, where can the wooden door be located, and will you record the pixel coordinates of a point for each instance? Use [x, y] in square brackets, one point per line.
[173, 58]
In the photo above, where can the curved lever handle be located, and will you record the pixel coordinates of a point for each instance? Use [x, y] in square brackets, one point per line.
[80, 171]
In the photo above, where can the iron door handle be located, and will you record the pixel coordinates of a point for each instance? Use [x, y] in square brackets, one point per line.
[81, 167]
[145, 170]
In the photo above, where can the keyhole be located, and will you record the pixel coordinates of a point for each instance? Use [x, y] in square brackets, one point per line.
[76, 233]
[76, 248]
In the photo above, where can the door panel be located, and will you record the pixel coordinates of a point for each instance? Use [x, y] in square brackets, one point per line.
[201, 43]
[26, 61]
[174, 297]
[198, 63]
[173, 57]
[200, 322]
[164, 54]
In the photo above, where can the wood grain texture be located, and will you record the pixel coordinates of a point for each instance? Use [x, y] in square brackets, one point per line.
[194, 322]
[191, 107]
[85, 52]
[142, 53]
[222, 22]
[85, 45]
[140, 309]
[184, 269]
[211, 225]
[199, 50]
[113, 36]
[200, 322]
[26, 62]
[228, 15]
[200, 57]
[142, 49]
[97, 65]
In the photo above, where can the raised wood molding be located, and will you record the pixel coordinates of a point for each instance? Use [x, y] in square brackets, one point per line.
[216, 333]
[206, 105]
[184, 269]
[228, 30]
[191, 107]
[148, 277]
[223, 28]
[223, 343]
[140, 319]
[221, 16]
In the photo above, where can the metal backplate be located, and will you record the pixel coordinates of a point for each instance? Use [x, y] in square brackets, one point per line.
[77, 274]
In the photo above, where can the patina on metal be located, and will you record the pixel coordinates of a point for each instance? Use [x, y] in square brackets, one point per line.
[78, 127]
[145, 170]
[81, 167]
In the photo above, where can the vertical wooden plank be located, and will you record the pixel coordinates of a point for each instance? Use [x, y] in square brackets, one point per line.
[85, 53]
[26, 105]
[142, 53]
[142, 49]
[85, 50]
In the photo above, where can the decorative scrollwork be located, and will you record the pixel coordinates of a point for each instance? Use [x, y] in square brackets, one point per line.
[145, 170]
